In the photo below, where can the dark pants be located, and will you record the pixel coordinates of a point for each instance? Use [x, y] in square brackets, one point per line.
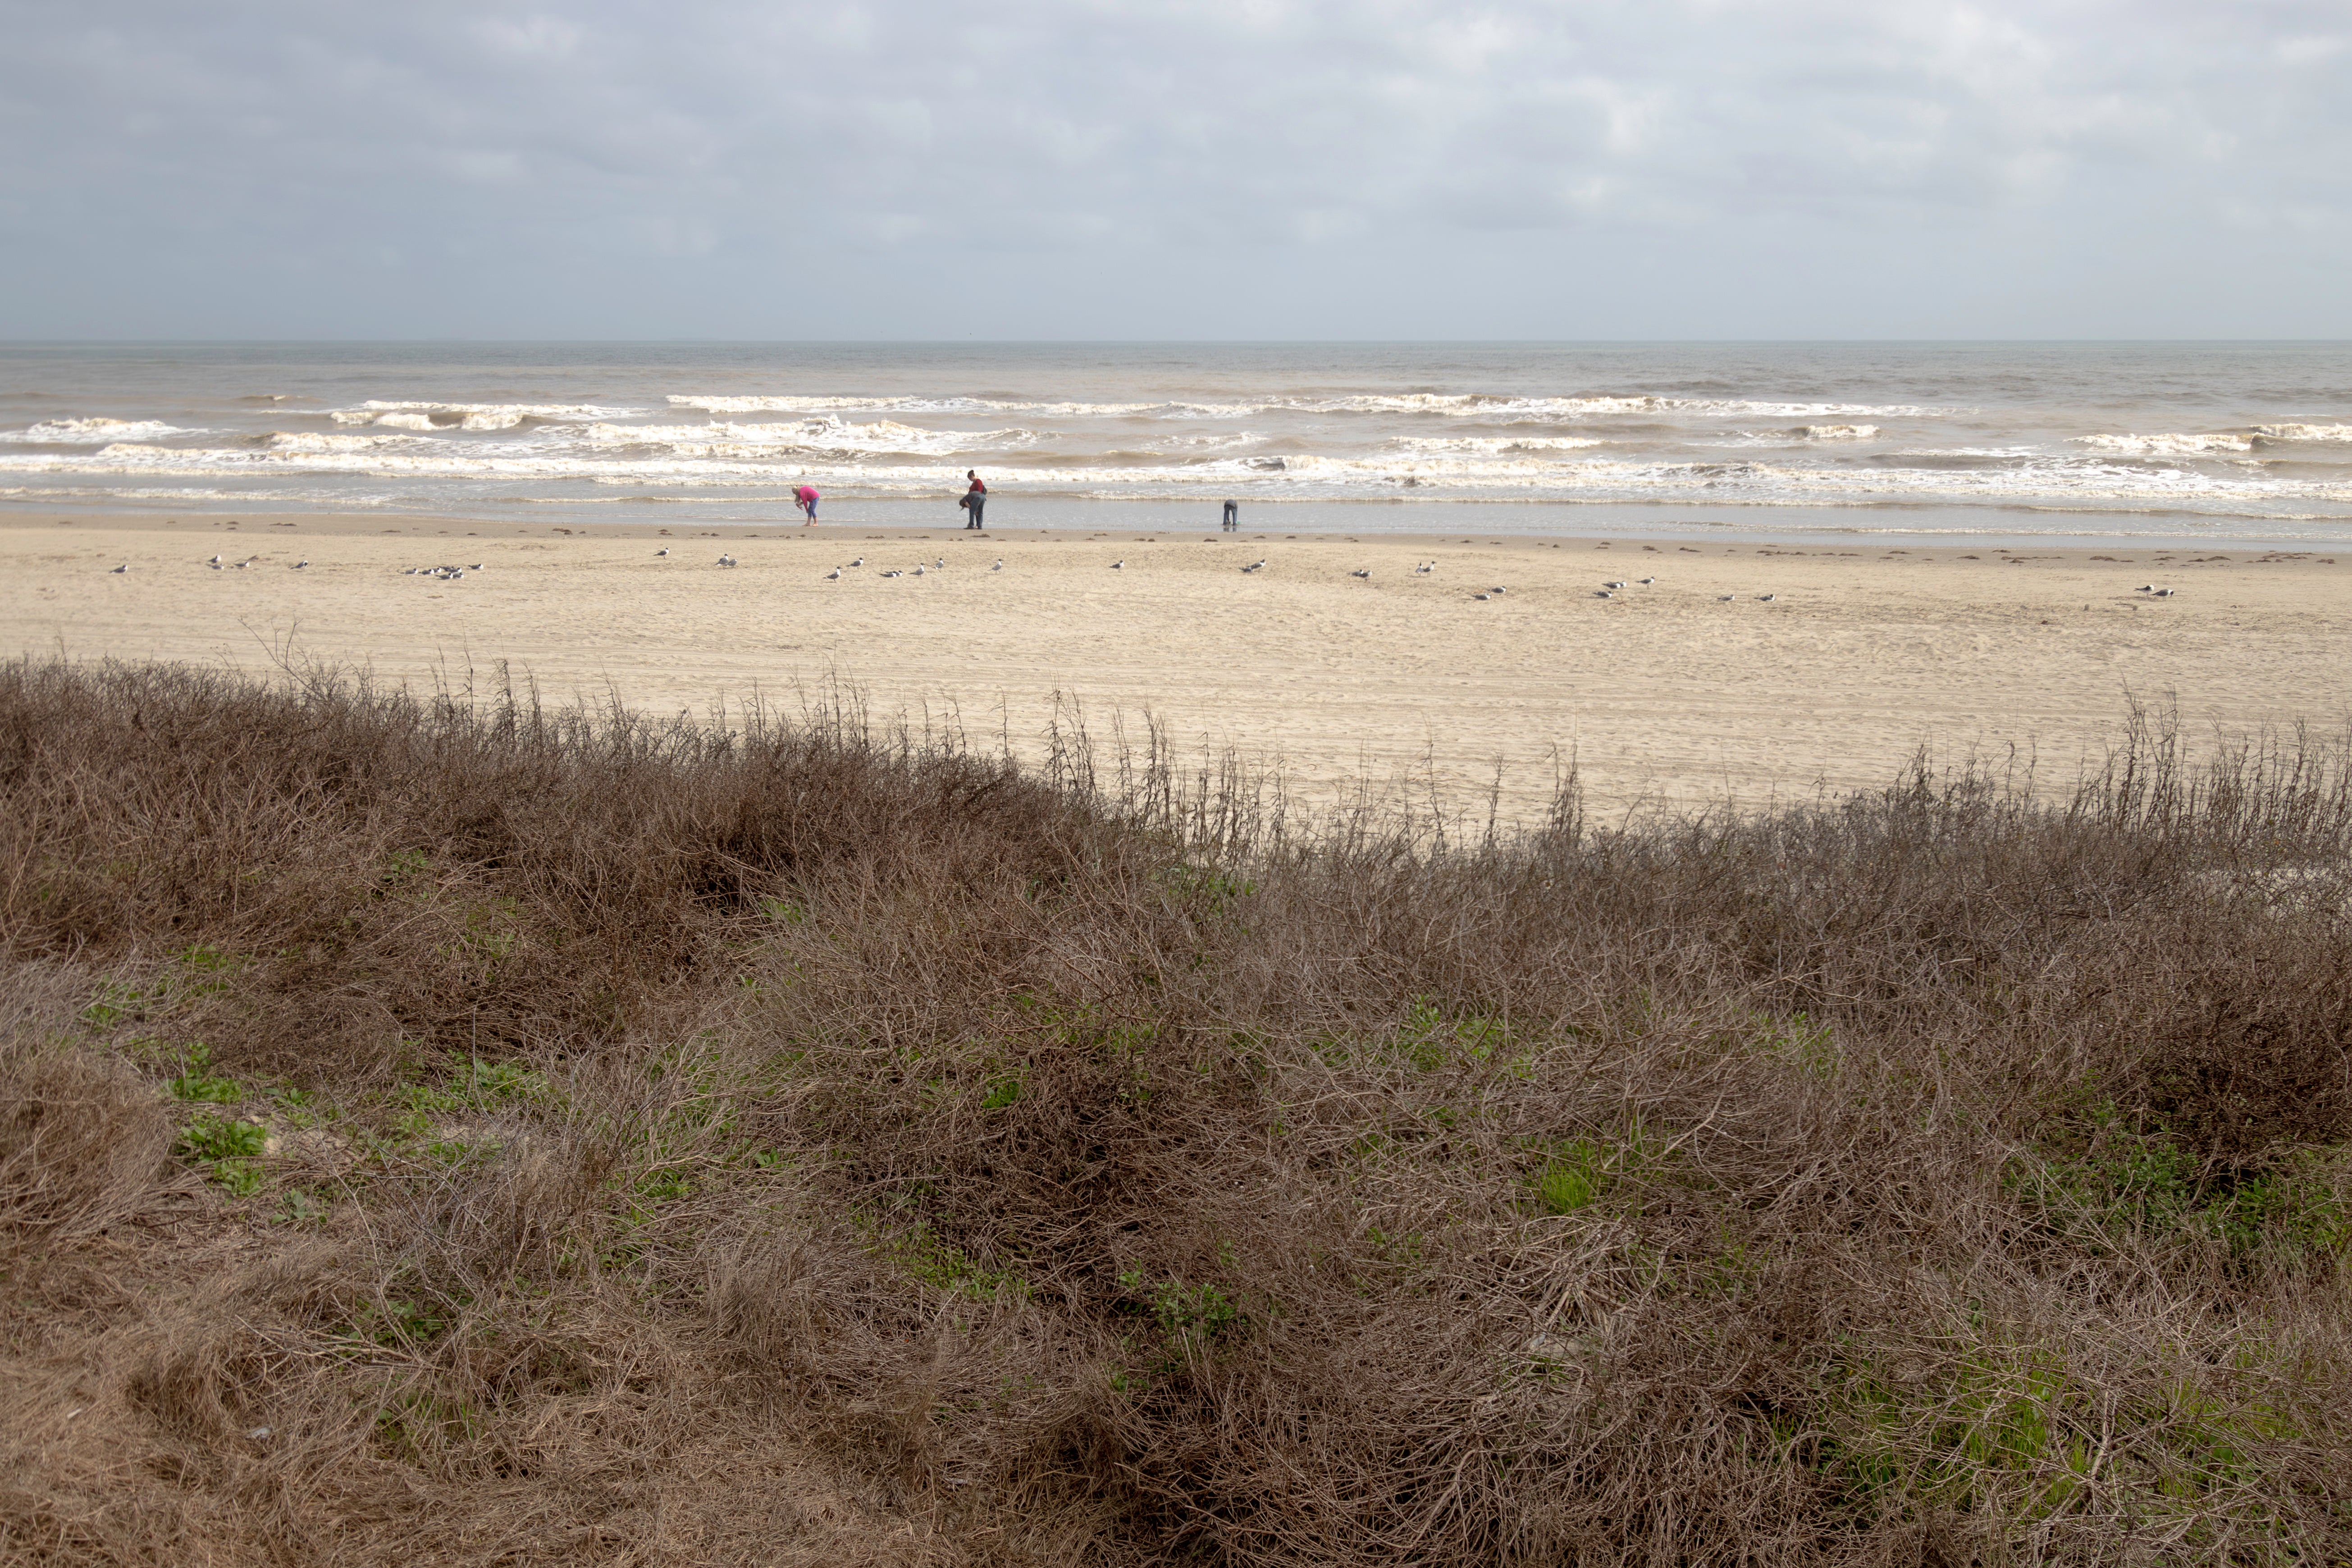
[1233, 515]
[972, 503]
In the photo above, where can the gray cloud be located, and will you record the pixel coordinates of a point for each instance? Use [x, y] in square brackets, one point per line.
[1184, 167]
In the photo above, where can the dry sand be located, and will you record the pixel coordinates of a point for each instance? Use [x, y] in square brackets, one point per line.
[1666, 691]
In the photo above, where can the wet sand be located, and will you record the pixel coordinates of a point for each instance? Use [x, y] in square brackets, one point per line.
[1667, 691]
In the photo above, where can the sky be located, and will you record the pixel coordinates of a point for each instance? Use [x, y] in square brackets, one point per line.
[1175, 169]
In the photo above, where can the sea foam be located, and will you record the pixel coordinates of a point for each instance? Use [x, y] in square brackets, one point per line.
[93, 432]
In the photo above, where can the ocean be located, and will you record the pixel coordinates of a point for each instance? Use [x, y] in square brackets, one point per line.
[2047, 442]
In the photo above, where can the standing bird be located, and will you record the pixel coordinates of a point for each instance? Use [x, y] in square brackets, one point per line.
[859, 561]
[124, 567]
[662, 552]
[1119, 566]
[214, 562]
[833, 576]
[727, 561]
[1000, 565]
[1645, 582]
[300, 564]
[943, 564]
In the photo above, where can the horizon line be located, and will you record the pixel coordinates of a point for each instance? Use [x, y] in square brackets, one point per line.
[7, 343]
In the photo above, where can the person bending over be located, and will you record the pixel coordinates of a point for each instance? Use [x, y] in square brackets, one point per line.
[973, 499]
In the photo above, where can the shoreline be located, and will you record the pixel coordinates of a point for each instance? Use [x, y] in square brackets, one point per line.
[1088, 520]
[1693, 691]
[1922, 527]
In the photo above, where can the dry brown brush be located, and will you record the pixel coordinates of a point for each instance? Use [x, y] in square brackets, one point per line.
[452, 1132]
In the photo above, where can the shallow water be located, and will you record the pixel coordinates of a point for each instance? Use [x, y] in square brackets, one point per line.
[2232, 441]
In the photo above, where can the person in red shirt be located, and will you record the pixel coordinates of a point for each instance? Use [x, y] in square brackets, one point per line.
[973, 499]
[805, 498]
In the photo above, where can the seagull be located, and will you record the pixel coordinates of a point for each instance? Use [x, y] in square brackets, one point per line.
[894, 573]
[214, 562]
[662, 552]
[1614, 584]
[1422, 570]
[859, 561]
[1367, 576]
[1499, 590]
[124, 567]
[2166, 593]
[727, 561]
[1119, 566]
[2147, 587]
[1000, 565]
[1484, 597]
[476, 566]
[1597, 593]
[1725, 598]
[833, 576]
[1645, 582]
[1766, 598]
[300, 564]
[943, 564]
[919, 571]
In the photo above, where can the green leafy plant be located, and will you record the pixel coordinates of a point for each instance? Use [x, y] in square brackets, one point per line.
[404, 864]
[197, 1082]
[1189, 1317]
[927, 1256]
[226, 1150]
[1003, 1089]
[1577, 1173]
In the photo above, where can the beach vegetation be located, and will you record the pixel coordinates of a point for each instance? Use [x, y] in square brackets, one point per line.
[443, 1128]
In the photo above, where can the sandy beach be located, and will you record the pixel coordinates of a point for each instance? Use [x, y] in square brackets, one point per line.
[1666, 691]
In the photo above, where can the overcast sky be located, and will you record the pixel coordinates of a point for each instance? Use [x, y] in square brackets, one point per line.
[1176, 169]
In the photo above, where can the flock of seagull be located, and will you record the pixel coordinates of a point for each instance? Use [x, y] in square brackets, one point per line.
[218, 564]
[1609, 590]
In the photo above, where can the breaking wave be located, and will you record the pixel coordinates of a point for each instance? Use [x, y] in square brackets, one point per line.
[92, 432]
[2305, 432]
[2179, 446]
[469, 415]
